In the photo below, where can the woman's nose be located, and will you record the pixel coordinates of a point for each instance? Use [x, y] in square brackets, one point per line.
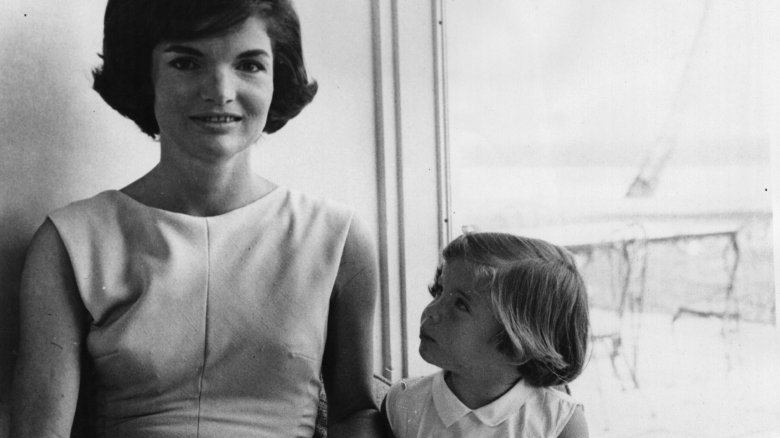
[218, 87]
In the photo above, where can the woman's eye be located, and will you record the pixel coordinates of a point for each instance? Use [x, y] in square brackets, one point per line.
[251, 66]
[183, 64]
[435, 290]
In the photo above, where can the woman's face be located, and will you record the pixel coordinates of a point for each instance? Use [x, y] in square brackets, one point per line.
[212, 95]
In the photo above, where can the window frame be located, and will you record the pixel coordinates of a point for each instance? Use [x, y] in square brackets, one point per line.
[414, 202]
[413, 179]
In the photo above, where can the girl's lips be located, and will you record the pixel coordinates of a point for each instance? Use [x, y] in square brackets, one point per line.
[425, 337]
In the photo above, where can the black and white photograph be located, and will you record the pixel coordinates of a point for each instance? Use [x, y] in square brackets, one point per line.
[389, 218]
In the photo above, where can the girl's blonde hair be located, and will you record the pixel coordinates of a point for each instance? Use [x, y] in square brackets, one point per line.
[539, 298]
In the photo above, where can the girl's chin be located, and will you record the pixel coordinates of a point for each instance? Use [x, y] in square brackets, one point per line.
[428, 357]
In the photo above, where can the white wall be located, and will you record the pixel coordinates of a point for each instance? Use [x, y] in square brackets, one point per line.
[329, 148]
[59, 141]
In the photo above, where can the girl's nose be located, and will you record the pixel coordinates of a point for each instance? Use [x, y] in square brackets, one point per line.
[218, 87]
[430, 313]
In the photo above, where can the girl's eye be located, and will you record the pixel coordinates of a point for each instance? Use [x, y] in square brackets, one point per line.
[435, 290]
[183, 64]
[251, 66]
[461, 305]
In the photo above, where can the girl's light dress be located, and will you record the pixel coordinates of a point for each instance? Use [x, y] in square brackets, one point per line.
[426, 407]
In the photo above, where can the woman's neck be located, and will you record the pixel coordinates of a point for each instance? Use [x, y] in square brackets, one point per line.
[477, 390]
[199, 189]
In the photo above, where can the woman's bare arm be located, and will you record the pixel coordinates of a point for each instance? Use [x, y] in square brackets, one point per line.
[52, 329]
[348, 363]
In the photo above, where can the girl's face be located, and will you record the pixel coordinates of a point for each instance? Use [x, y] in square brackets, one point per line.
[458, 326]
[212, 95]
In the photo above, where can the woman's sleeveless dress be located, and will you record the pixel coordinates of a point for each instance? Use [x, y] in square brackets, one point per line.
[206, 326]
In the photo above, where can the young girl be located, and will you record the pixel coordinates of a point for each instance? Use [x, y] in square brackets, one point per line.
[508, 322]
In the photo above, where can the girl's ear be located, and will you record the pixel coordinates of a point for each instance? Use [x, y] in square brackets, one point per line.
[504, 345]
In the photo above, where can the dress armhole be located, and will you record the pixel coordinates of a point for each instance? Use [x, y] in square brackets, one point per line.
[358, 257]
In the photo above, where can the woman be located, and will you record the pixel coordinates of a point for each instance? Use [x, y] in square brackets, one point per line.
[208, 300]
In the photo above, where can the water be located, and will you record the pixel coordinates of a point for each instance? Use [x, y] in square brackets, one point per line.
[518, 197]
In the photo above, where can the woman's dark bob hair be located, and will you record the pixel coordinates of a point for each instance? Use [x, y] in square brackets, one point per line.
[133, 28]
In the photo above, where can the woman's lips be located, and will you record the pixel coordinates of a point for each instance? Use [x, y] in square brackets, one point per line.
[217, 122]
[217, 117]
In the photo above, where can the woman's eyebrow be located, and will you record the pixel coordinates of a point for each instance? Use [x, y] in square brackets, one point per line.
[256, 53]
[187, 50]
[183, 49]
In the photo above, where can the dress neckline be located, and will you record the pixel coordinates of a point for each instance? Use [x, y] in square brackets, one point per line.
[118, 194]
